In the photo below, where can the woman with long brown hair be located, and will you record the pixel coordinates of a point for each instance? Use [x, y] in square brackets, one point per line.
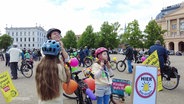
[50, 73]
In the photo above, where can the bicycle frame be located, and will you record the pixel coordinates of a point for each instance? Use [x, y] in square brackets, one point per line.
[81, 90]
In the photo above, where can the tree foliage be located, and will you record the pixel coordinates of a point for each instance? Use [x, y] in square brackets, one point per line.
[5, 41]
[108, 35]
[133, 35]
[153, 32]
[88, 38]
[70, 39]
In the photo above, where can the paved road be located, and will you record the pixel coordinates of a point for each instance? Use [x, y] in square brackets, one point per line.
[27, 89]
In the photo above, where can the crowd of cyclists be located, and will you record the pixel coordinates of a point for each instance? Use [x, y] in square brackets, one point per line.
[53, 48]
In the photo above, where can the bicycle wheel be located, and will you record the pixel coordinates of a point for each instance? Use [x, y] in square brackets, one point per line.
[168, 62]
[26, 70]
[88, 100]
[88, 62]
[121, 66]
[113, 65]
[170, 83]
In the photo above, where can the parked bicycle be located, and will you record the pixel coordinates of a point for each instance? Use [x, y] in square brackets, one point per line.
[121, 65]
[26, 68]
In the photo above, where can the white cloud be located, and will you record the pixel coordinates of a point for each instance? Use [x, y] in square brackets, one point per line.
[77, 14]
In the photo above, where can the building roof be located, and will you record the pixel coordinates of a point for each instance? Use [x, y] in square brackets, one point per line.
[18, 28]
[168, 10]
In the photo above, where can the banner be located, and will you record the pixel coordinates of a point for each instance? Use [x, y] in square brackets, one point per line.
[118, 86]
[153, 60]
[6, 86]
[145, 85]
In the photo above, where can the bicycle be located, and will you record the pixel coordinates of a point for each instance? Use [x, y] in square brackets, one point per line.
[170, 77]
[88, 61]
[121, 65]
[82, 96]
[26, 68]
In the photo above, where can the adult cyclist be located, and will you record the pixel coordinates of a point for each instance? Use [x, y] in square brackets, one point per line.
[162, 53]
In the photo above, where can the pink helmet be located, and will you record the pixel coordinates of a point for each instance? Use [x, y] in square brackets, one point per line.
[100, 50]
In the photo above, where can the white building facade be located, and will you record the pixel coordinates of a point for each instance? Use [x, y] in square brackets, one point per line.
[28, 37]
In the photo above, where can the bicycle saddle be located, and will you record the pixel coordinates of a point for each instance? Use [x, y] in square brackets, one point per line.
[76, 72]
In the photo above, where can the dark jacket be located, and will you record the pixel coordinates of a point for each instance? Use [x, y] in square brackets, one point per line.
[129, 53]
[162, 53]
[82, 54]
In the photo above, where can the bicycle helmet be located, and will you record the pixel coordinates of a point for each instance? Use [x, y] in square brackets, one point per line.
[51, 47]
[49, 32]
[100, 50]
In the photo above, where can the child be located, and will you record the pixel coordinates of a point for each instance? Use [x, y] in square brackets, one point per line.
[27, 55]
[102, 72]
[50, 73]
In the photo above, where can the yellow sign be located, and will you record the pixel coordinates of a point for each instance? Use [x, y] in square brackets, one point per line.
[6, 86]
[153, 60]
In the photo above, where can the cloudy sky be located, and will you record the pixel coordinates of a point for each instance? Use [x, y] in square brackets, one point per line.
[76, 15]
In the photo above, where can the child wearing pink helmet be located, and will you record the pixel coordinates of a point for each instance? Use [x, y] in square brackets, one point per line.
[102, 72]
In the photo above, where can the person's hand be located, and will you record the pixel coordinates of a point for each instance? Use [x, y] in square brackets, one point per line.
[61, 43]
[102, 64]
[108, 64]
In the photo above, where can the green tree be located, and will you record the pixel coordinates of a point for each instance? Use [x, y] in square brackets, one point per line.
[70, 39]
[108, 35]
[87, 38]
[153, 32]
[5, 41]
[133, 35]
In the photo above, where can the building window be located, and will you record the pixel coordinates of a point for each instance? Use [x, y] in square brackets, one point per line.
[33, 33]
[20, 45]
[16, 39]
[25, 39]
[182, 25]
[21, 39]
[25, 33]
[173, 26]
[37, 39]
[29, 39]
[20, 33]
[12, 33]
[38, 45]
[28, 33]
[16, 33]
[33, 39]
[28, 45]
[24, 45]
[8, 33]
[33, 45]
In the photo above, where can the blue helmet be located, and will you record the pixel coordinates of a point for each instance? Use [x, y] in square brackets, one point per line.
[51, 47]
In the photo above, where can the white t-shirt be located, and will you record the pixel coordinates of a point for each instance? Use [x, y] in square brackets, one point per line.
[14, 54]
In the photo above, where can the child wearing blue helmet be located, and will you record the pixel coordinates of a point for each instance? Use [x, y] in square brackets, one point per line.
[50, 74]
